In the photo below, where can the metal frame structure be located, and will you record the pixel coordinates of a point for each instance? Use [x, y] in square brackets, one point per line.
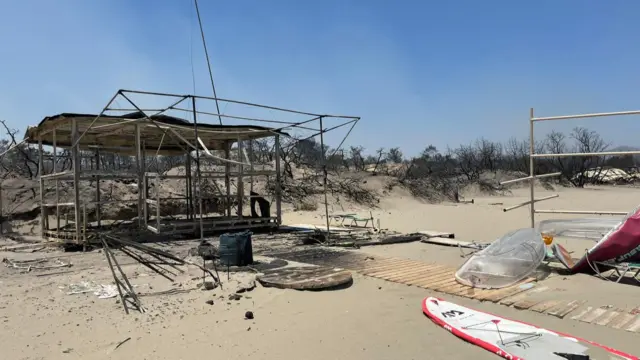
[190, 141]
[533, 156]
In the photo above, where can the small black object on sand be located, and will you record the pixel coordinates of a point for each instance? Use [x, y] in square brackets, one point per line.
[248, 315]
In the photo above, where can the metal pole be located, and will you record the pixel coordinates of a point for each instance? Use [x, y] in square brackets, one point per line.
[532, 181]
[582, 212]
[528, 202]
[198, 180]
[529, 178]
[324, 178]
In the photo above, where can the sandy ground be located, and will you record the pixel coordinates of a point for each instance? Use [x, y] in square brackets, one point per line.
[372, 319]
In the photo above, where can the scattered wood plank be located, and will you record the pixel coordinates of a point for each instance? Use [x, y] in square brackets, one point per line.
[382, 267]
[582, 313]
[634, 325]
[594, 314]
[513, 299]
[392, 269]
[419, 269]
[419, 278]
[510, 291]
[545, 305]
[563, 310]
[620, 321]
[526, 303]
[430, 282]
[607, 317]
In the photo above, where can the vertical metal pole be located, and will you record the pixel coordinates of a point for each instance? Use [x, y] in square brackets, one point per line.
[278, 182]
[532, 181]
[75, 154]
[198, 179]
[55, 170]
[240, 181]
[324, 177]
[43, 208]
[139, 169]
[98, 195]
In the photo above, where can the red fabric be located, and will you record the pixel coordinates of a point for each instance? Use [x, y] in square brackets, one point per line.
[619, 245]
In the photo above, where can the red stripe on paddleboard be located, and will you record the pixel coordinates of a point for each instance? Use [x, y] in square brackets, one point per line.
[495, 349]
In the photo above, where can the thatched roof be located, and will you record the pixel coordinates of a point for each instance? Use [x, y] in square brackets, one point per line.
[155, 131]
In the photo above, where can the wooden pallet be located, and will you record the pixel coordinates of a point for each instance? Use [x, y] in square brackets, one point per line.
[440, 278]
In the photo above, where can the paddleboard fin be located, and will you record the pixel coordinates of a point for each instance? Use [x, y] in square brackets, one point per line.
[573, 356]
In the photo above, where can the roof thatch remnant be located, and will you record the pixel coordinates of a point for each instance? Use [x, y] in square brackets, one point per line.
[161, 132]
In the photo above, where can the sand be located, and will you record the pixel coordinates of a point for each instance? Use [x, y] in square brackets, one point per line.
[372, 319]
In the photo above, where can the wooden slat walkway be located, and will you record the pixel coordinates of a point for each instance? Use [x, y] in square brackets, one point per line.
[440, 278]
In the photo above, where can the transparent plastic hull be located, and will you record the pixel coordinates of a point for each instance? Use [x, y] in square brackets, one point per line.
[585, 228]
[505, 262]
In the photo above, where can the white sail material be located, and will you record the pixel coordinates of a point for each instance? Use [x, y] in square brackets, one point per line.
[506, 261]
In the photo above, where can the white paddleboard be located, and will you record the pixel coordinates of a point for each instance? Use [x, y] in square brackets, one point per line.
[512, 339]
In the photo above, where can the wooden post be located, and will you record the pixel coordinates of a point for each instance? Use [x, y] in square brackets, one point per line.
[145, 182]
[240, 182]
[75, 153]
[43, 208]
[84, 227]
[278, 182]
[324, 178]
[139, 169]
[227, 179]
[98, 204]
[1, 212]
[198, 175]
[251, 168]
[188, 186]
[55, 170]
[157, 202]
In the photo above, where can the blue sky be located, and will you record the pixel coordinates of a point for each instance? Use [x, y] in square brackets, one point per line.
[417, 72]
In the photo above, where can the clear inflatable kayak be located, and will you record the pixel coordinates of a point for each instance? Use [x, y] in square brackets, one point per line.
[505, 262]
[586, 228]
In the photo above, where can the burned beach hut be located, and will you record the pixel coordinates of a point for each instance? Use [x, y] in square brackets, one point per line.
[207, 187]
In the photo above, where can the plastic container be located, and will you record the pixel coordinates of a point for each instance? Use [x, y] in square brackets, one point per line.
[506, 261]
[236, 249]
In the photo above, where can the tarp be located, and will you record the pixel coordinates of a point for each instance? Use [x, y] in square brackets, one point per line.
[621, 244]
